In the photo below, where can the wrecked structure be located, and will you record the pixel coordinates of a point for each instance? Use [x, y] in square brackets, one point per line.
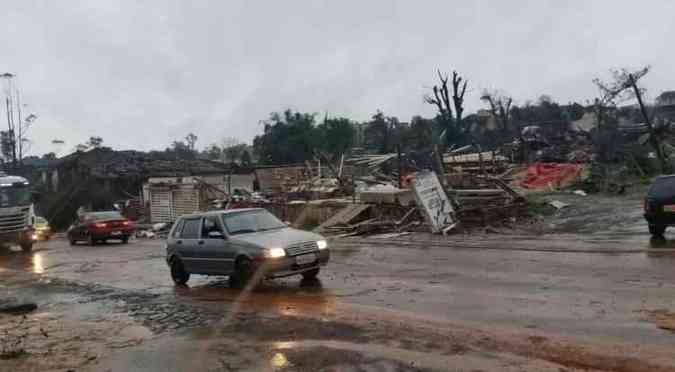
[100, 178]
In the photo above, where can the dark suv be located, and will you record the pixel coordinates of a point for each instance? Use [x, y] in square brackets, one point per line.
[245, 244]
[659, 205]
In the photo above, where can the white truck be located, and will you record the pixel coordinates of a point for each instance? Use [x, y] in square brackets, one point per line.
[17, 212]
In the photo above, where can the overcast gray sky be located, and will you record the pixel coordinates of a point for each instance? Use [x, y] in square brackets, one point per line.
[141, 74]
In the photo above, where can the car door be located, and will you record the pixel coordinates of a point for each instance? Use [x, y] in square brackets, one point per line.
[213, 247]
[173, 238]
[186, 244]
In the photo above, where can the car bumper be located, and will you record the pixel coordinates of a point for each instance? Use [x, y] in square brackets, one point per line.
[287, 266]
[112, 235]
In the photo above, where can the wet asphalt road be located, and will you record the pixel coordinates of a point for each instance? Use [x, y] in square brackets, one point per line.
[500, 280]
[593, 289]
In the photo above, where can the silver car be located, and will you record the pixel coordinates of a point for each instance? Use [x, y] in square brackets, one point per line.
[245, 244]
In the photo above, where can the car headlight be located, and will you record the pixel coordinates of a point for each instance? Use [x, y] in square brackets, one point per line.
[275, 252]
[322, 244]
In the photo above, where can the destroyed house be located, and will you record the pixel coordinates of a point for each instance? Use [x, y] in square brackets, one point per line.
[168, 198]
[275, 179]
[97, 178]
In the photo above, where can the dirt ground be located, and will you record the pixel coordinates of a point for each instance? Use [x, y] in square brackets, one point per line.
[583, 289]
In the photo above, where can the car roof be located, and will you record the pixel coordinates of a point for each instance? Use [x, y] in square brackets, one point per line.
[97, 213]
[9, 180]
[220, 211]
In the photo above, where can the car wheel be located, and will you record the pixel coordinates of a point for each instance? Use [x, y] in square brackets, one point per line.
[310, 274]
[178, 273]
[657, 230]
[125, 240]
[243, 274]
[72, 241]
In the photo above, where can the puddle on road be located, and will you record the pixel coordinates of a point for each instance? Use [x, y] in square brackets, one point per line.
[285, 298]
[342, 355]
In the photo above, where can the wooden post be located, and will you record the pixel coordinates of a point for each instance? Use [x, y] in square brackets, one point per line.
[440, 165]
[353, 189]
[482, 165]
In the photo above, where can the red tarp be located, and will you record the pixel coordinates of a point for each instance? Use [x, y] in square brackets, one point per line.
[545, 175]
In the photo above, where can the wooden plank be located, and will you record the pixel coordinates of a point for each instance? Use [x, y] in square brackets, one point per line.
[478, 192]
[345, 215]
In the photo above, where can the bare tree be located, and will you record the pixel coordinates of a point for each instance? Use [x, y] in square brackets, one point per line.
[191, 140]
[442, 99]
[624, 86]
[500, 107]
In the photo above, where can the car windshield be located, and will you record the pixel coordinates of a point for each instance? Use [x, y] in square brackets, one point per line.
[102, 216]
[251, 221]
[14, 196]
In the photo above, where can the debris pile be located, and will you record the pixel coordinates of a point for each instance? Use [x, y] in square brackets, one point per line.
[552, 176]
[392, 210]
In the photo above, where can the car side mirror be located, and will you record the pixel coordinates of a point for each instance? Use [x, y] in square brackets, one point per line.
[216, 235]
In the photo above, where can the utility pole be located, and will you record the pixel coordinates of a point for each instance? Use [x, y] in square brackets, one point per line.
[665, 167]
[20, 137]
[10, 115]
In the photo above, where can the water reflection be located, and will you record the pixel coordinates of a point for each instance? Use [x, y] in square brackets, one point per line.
[288, 297]
[279, 360]
[37, 263]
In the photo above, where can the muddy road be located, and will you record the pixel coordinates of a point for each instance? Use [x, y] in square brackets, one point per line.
[467, 303]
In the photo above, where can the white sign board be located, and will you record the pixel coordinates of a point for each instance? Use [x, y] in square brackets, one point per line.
[432, 201]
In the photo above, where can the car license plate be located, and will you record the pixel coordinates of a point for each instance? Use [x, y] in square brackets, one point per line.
[305, 259]
[669, 208]
[116, 233]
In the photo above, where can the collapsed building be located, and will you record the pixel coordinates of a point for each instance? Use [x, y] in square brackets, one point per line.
[102, 178]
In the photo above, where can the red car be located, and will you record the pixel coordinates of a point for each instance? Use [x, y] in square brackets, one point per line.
[95, 227]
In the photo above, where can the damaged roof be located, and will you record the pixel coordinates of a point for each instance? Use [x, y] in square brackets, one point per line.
[108, 163]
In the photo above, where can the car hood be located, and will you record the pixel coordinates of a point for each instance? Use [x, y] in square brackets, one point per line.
[277, 238]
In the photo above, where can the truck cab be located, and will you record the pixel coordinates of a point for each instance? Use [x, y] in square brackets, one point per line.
[17, 213]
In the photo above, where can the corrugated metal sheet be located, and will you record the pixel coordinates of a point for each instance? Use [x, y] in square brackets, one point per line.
[185, 200]
[474, 157]
[160, 205]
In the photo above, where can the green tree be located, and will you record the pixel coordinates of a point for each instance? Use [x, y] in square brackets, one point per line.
[94, 142]
[337, 136]
[419, 135]
[245, 159]
[288, 137]
[180, 150]
[49, 156]
[379, 133]
[213, 152]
